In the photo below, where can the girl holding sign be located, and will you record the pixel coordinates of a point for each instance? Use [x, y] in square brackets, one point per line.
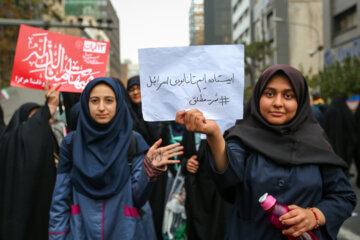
[277, 148]
[99, 188]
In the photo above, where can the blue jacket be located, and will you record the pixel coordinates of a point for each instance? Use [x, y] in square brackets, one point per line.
[75, 216]
[250, 175]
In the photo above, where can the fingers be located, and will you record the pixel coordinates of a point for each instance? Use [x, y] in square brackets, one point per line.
[192, 165]
[194, 120]
[171, 155]
[173, 149]
[180, 117]
[46, 85]
[298, 219]
[165, 162]
[156, 144]
[48, 92]
[173, 146]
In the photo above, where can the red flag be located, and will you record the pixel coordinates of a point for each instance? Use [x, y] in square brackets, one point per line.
[44, 55]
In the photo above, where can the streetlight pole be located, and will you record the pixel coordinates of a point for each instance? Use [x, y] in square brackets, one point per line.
[318, 48]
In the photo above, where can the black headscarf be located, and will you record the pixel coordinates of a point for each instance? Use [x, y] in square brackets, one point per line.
[27, 174]
[339, 125]
[299, 141]
[100, 164]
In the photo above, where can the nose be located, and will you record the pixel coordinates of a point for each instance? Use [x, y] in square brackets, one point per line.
[101, 105]
[278, 101]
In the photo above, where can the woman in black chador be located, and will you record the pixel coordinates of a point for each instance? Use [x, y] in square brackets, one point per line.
[28, 149]
[340, 127]
[206, 210]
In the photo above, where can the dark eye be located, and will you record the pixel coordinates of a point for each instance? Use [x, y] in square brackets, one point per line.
[288, 96]
[93, 101]
[269, 94]
[109, 100]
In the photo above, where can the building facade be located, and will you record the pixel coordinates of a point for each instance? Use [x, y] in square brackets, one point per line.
[294, 30]
[217, 15]
[241, 21]
[341, 30]
[196, 22]
[99, 12]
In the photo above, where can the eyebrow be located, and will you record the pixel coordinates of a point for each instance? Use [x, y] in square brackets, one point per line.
[104, 97]
[285, 90]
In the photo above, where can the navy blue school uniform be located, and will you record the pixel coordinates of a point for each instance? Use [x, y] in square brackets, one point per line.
[323, 186]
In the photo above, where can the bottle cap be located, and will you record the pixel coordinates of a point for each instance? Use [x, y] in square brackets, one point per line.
[267, 201]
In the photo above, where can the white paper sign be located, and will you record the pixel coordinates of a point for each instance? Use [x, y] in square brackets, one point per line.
[209, 78]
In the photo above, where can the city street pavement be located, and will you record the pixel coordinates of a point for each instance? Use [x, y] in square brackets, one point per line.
[350, 230]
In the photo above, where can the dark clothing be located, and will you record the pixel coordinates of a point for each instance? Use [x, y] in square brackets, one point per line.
[292, 161]
[340, 127]
[74, 117]
[2, 123]
[206, 211]
[28, 173]
[323, 186]
[357, 148]
[151, 132]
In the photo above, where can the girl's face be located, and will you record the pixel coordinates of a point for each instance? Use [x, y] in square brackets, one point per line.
[102, 103]
[135, 94]
[278, 104]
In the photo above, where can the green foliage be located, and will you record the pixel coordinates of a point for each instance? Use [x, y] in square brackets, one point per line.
[14, 9]
[340, 78]
[255, 56]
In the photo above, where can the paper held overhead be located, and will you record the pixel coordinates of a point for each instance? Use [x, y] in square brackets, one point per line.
[209, 78]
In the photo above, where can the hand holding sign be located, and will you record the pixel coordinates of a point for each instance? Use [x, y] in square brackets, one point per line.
[52, 97]
[195, 121]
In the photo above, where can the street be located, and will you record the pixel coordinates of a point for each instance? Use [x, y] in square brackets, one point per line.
[351, 227]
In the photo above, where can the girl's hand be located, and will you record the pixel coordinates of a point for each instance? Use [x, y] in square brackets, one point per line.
[160, 157]
[52, 97]
[299, 219]
[195, 121]
[192, 165]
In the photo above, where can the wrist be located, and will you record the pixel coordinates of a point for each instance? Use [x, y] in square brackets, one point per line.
[316, 217]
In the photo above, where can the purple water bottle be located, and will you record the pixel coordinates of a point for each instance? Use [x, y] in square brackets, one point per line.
[275, 210]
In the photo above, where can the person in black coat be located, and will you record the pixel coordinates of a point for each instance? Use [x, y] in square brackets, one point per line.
[151, 131]
[339, 125]
[28, 150]
[206, 210]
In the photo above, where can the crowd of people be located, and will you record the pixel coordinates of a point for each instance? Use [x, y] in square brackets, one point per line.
[110, 176]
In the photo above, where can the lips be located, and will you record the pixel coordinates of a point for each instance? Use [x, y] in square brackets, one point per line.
[277, 114]
[102, 115]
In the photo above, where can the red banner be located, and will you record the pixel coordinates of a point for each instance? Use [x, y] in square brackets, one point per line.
[71, 61]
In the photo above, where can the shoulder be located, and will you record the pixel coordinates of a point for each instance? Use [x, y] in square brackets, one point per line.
[234, 143]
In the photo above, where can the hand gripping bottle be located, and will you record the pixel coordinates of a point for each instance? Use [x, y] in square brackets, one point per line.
[275, 210]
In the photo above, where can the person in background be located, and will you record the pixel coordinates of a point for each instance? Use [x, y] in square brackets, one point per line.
[206, 210]
[98, 195]
[280, 149]
[2, 122]
[151, 131]
[357, 148]
[28, 149]
[340, 128]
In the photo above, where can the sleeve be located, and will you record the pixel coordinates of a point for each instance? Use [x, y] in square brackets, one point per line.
[233, 174]
[59, 223]
[141, 183]
[338, 200]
